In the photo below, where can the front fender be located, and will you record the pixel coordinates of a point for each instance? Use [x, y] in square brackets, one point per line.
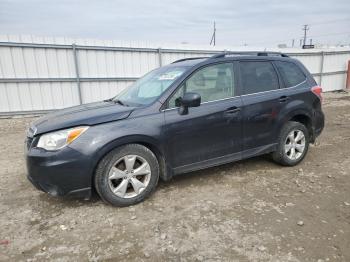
[153, 144]
[136, 138]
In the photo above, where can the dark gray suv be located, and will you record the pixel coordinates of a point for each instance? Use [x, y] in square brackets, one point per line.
[192, 114]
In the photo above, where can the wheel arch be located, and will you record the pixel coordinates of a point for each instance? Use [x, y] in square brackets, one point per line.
[306, 121]
[303, 117]
[146, 141]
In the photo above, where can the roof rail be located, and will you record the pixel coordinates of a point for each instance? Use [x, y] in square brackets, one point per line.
[189, 58]
[251, 53]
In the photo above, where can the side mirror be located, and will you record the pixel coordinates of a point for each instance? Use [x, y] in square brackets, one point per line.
[188, 100]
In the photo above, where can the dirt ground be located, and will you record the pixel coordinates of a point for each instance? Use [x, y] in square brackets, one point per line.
[252, 210]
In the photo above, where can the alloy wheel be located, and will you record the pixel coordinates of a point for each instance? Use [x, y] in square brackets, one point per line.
[294, 145]
[129, 176]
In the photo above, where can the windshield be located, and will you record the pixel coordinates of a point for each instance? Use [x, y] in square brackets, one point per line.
[149, 87]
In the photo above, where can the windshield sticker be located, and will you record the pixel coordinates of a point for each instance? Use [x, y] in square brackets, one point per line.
[170, 75]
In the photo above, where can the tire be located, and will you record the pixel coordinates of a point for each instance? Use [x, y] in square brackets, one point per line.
[112, 175]
[284, 158]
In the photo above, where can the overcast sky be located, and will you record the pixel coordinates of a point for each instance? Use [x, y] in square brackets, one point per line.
[251, 22]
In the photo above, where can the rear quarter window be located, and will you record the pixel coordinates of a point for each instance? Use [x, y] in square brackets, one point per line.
[291, 73]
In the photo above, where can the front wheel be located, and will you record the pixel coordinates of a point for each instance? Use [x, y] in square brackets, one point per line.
[293, 144]
[127, 175]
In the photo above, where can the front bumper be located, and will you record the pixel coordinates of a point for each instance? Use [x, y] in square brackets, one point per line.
[66, 172]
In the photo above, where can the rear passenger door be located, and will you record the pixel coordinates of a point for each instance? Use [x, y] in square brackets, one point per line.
[262, 102]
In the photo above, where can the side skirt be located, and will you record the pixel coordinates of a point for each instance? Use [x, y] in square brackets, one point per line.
[225, 159]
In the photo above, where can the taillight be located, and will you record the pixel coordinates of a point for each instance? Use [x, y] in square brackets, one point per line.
[317, 90]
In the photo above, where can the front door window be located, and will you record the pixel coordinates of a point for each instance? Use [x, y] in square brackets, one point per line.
[212, 83]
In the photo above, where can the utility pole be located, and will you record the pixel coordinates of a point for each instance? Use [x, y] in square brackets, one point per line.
[213, 36]
[305, 29]
[292, 42]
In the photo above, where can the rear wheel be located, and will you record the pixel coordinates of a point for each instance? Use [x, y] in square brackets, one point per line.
[293, 144]
[127, 175]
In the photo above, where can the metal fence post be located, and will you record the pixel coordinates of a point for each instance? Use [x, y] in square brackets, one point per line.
[348, 76]
[321, 67]
[160, 57]
[77, 75]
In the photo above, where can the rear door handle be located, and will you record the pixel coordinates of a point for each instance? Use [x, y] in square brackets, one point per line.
[283, 99]
[232, 110]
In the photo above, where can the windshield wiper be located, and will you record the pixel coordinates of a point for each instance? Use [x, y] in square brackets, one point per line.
[119, 102]
[115, 101]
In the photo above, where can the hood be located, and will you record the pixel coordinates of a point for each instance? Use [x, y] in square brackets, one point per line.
[87, 114]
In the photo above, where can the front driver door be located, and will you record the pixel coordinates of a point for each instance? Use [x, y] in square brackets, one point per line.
[208, 134]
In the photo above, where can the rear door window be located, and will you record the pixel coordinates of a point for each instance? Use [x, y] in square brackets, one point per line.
[291, 73]
[258, 76]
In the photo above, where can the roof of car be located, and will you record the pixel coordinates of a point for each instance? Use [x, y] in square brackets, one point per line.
[230, 56]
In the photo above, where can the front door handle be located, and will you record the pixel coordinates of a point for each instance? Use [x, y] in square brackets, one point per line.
[283, 99]
[232, 110]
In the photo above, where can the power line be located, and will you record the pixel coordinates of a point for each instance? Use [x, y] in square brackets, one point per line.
[307, 27]
[340, 33]
[313, 36]
[330, 21]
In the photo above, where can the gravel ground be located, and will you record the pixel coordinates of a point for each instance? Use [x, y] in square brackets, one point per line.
[252, 210]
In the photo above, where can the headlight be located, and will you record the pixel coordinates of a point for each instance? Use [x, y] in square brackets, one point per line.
[59, 139]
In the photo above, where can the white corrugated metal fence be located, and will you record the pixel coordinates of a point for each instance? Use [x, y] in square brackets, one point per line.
[49, 74]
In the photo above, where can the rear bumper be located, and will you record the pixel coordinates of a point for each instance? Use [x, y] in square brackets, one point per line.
[319, 123]
[62, 173]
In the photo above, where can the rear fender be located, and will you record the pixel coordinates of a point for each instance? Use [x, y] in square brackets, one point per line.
[293, 109]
